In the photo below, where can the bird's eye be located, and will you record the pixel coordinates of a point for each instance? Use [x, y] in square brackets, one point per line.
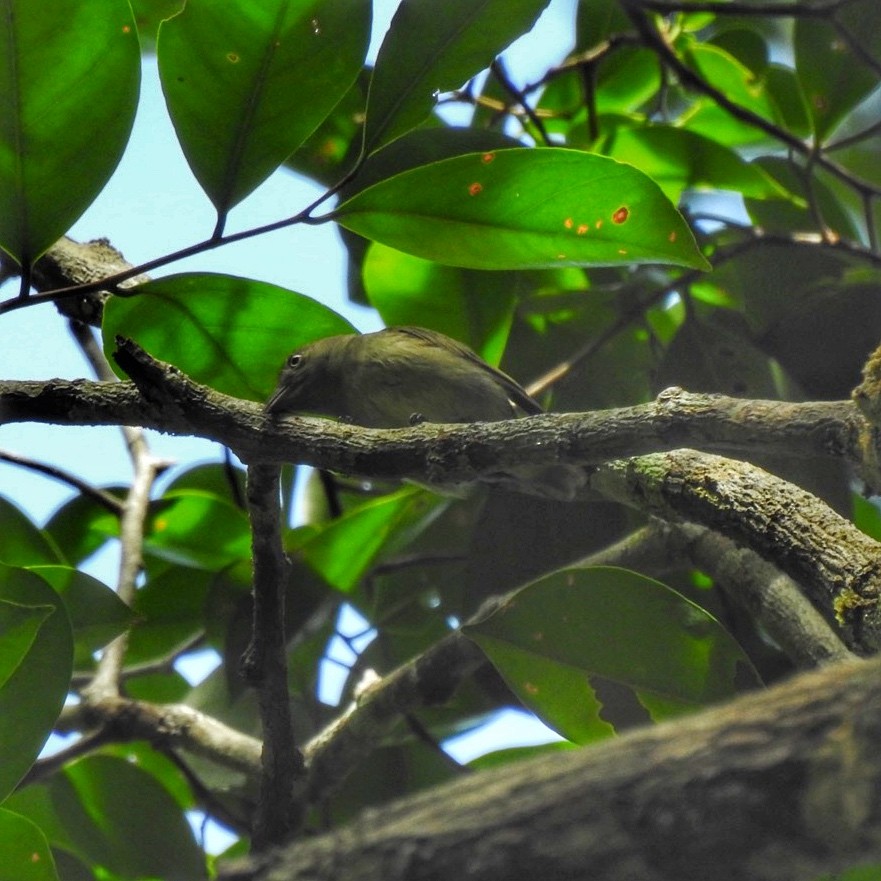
[294, 360]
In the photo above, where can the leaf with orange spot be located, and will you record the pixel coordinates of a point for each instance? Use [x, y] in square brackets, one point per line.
[247, 83]
[526, 209]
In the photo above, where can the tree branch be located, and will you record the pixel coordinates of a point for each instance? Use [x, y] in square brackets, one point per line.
[427, 680]
[107, 500]
[780, 785]
[773, 600]
[174, 726]
[451, 454]
[282, 806]
[838, 565]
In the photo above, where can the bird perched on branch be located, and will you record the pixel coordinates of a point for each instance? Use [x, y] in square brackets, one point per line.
[396, 377]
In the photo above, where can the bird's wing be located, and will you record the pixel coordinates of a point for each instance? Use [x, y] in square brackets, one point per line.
[515, 391]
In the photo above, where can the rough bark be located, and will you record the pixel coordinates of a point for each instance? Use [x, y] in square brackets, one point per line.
[780, 785]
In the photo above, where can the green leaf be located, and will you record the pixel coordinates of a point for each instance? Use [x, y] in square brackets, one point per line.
[434, 46]
[37, 681]
[501, 757]
[82, 525]
[21, 542]
[158, 688]
[788, 97]
[193, 528]
[773, 281]
[832, 78]
[523, 209]
[575, 623]
[97, 614]
[246, 83]
[677, 159]
[409, 151]
[121, 818]
[423, 147]
[806, 199]
[598, 20]
[866, 516]
[149, 14]
[24, 851]
[171, 610]
[230, 333]
[219, 479]
[71, 867]
[343, 550]
[737, 83]
[69, 73]
[19, 626]
[466, 304]
[334, 144]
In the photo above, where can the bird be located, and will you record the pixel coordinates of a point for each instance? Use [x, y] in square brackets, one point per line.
[396, 377]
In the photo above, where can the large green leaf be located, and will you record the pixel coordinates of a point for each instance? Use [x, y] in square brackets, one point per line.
[82, 525]
[246, 83]
[834, 78]
[24, 851]
[522, 209]
[343, 550]
[19, 626]
[413, 149]
[466, 304]
[555, 633]
[422, 147]
[117, 816]
[434, 46]
[598, 20]
[230, 333]
[171, 610]
[323, 156]
[97, 614]
[738, 84]
[36, 669]
[21, 542]
[194, 528]
[69, 73]
[149, 14]
[678, 159]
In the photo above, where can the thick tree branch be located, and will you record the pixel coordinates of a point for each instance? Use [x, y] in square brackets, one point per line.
[451, 454]
[839, 566]
[445, 455]
[780, 785]
[771, 598]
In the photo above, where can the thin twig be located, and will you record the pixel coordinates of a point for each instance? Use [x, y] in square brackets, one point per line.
[114, 281]
[133, 520]
[107, 500]
[498, 70]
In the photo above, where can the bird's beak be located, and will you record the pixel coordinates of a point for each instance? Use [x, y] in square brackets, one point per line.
[275, 404]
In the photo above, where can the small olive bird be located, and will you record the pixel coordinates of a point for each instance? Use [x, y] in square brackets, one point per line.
[396, 377]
